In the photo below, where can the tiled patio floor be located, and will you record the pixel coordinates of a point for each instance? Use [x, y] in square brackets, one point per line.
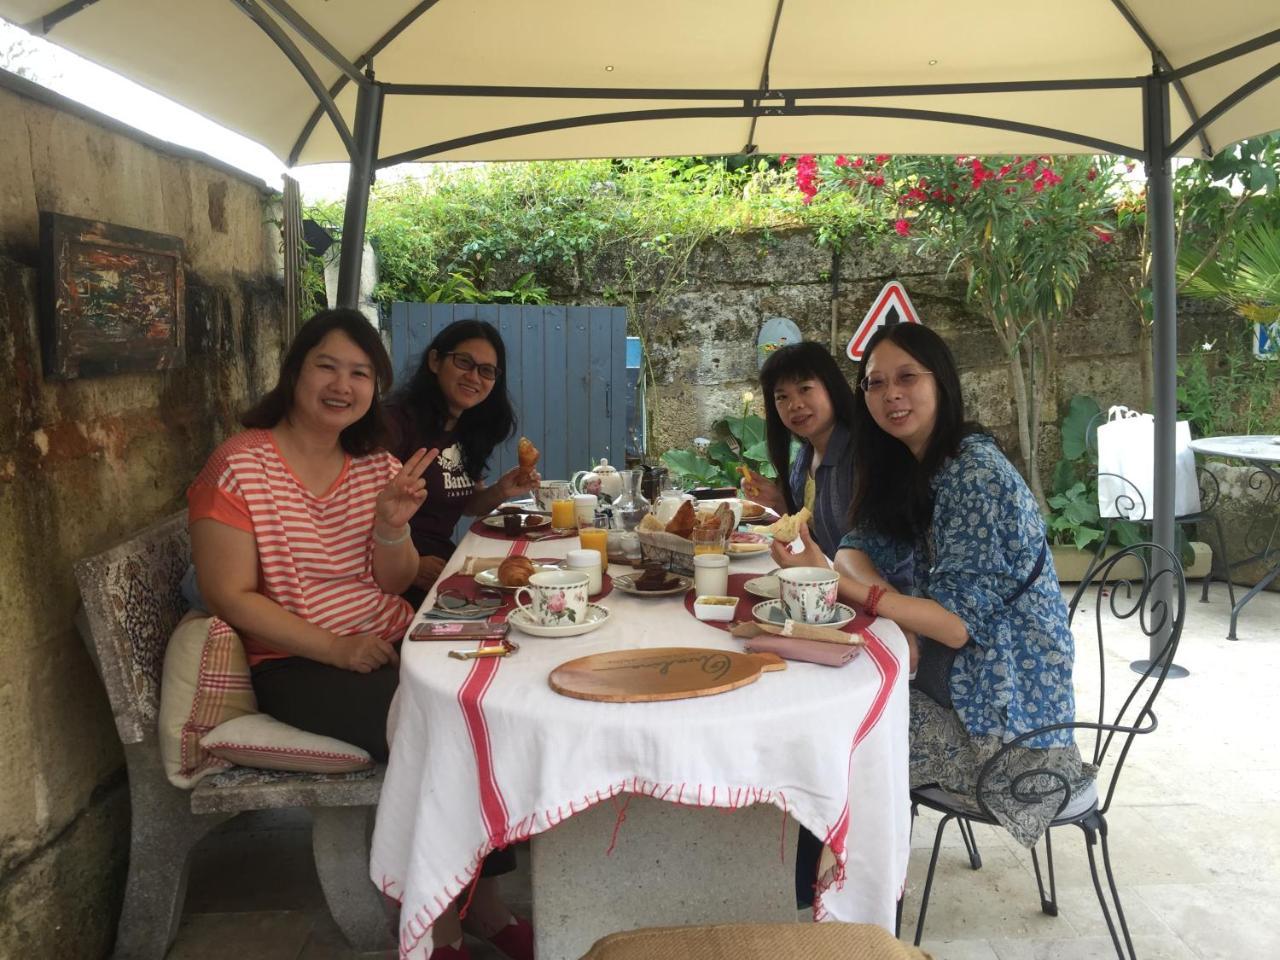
[1195, 839]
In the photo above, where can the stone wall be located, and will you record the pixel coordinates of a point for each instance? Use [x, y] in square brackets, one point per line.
[83, 463]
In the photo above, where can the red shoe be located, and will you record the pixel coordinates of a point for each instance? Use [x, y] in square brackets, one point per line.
[515, 940]
[451, 953]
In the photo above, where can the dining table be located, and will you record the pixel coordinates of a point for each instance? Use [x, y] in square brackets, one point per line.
[1263, 454]
[486, 754]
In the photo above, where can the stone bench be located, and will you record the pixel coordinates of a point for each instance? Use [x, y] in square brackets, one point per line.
[131, 604]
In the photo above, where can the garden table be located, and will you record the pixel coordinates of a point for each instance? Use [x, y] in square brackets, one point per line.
[485, 754]
[1263, 453]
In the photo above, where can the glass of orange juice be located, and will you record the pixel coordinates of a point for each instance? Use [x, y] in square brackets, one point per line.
[562, 515]
[707, 540]
[596, 538]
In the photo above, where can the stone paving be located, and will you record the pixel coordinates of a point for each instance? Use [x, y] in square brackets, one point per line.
[1194, 830]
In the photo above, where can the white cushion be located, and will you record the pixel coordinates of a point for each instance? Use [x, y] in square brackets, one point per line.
[258, 740]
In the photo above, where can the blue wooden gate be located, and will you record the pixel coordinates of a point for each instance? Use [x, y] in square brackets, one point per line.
[566, 370]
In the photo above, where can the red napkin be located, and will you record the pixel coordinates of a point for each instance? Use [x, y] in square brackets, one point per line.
[808, 651]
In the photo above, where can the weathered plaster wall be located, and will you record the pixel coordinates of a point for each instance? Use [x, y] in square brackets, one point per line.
[85, 462]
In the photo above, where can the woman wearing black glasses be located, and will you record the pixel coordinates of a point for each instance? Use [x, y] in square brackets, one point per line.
[458, 399]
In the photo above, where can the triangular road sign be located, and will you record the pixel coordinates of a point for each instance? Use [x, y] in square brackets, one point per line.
[891, 305]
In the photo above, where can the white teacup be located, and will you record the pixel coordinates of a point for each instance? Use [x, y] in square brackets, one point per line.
[808, 594]
[557, 598]
[549, 490]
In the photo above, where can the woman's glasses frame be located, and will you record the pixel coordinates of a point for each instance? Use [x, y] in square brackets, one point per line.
[466, 363]
[903, 380]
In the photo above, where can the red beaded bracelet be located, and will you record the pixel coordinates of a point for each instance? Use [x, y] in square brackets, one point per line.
[874, 595]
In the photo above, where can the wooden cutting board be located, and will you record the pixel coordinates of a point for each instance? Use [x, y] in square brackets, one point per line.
[659, 673]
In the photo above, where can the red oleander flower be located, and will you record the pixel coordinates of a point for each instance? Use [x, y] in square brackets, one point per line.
[858, 161]
[1092, 174]
[784, 157]
[842, 161]
[1102, 235]
[902, 227]
[882, 158]
[876, 180]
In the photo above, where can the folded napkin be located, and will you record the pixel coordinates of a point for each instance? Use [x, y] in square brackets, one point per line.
[808, 651]
[473, 565]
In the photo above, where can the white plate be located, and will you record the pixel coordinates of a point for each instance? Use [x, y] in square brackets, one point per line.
[489, 578]
[771, 612]
[597, 616]
[746, 549]
[767, 587]
[495, 521]
[626, 583]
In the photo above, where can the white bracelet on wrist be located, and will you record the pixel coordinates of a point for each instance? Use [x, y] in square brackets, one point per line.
[394, 542]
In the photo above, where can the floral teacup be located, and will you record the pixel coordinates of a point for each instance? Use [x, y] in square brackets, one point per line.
[808, 594]
[557, 598]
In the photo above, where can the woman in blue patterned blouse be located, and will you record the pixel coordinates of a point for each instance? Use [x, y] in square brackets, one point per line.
[947, 541]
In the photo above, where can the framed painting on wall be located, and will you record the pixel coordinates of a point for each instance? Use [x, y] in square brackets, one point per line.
[112, 299]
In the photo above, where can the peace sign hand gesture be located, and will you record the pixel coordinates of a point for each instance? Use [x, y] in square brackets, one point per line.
[405, 492]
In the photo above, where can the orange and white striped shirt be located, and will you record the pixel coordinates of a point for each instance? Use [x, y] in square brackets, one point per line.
[315, 553]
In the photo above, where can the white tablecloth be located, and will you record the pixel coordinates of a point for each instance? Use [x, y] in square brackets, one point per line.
[486, 754]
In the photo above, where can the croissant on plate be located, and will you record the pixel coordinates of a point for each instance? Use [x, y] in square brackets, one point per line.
[515, 571]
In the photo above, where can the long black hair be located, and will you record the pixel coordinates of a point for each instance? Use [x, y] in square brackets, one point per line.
[480, 428]
[793, 363]
[892, 490]
[371, 431]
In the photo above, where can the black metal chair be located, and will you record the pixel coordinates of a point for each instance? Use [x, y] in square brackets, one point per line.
[1113, 735]
[1129, 504]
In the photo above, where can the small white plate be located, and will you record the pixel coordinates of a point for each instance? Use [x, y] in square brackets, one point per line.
[771, 612]
[767, 587]
[596, 617]
[627, 584]
[746, 549]
[540, 521]
[489, 578]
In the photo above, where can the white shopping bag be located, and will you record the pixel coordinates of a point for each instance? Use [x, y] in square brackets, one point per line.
[1126, 457]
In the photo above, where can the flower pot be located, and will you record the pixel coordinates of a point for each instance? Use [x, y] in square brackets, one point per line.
[1071, 563]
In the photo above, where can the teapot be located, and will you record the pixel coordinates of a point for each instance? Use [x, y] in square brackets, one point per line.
[602, 480]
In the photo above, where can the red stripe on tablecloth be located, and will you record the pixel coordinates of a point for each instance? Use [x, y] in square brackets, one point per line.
[493, 806]
[888, 666]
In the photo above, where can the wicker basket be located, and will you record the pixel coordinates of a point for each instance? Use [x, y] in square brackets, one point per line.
[673, 552]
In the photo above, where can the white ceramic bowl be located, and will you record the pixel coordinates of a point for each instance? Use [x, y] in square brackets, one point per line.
[705, 608]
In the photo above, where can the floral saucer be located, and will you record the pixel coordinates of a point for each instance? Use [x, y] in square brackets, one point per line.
[770, 611]
[596, 617]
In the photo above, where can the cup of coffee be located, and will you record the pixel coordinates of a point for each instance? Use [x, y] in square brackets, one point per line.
[556, 598]
[808, 594]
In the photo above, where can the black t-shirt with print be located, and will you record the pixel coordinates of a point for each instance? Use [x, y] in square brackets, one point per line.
[448, 485]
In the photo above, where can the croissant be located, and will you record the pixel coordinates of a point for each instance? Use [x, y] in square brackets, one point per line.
[683, 522]
[528, 455]
[515, 571]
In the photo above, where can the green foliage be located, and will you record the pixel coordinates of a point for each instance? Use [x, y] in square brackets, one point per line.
[1225, 392]
[742, 443]
[464, 233]
[1249, 281]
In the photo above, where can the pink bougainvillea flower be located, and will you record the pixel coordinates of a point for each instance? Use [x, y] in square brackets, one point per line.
[903, 228]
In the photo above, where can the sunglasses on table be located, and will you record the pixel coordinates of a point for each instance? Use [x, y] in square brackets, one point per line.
[466, 363]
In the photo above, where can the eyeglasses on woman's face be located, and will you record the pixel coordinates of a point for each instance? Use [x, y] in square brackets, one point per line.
[903, 380]
[466, 363]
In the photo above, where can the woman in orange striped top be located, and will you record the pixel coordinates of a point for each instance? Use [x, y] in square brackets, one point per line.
[299, 531]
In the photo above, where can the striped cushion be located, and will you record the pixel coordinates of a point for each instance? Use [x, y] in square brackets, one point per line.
[205, 683]
[262, 741]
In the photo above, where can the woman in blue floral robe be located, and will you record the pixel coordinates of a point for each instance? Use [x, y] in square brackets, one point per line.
[945, 529]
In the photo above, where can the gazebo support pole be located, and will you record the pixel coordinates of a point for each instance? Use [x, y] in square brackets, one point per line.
[1164, 348]
[368, 121]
